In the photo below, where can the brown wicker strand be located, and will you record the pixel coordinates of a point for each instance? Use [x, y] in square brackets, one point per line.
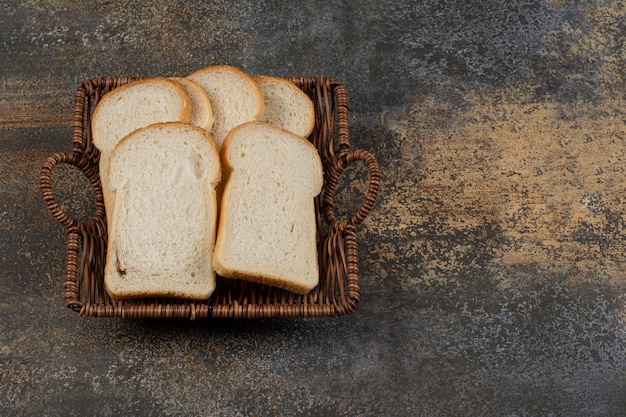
[79, 124]
[46, 187]
[87, 169]
[373, 186]
[71, 287]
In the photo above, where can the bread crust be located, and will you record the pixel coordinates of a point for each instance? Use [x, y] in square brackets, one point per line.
[288, 283]
[184, 116]
[202, 108]
[114, 275]
[251, 87]
[310, 116]
[272, 281]
[225, 161]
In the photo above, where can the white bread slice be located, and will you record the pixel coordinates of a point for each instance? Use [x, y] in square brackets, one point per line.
[267, 226]
[130, 107]
[201, 111]
[286, 105]
[162, 233]
[234, 96]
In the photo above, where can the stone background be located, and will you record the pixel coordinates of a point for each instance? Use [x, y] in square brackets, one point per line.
[492, 267]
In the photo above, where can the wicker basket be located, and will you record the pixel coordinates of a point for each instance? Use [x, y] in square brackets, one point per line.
[338, 289]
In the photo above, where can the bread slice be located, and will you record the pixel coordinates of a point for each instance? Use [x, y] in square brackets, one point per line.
[286, 105]
[201, 111]
[130, 107]
[162, 233]
[234, 96]
[267, 226]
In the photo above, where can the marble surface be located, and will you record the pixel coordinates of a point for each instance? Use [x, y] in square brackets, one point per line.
[492, 267]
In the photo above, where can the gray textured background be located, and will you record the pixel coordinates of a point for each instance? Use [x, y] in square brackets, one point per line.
[492, 267]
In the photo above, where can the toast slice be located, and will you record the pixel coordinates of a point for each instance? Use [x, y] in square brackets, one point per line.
[201, 111]
[267, 226]
[234, 96]
[130, 107]
[285, 105]
[162, 233]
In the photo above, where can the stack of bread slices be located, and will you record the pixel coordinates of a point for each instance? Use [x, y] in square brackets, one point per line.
[204, 174]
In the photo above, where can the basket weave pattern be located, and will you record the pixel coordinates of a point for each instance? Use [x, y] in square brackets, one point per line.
[338, 290]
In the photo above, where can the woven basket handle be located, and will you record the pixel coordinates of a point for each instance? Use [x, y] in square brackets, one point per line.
[372, 188]
[76, 159]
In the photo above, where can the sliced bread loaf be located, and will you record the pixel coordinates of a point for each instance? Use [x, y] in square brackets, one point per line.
[201, 111]
[130, 107]
[267, 227]
[286, 105]
[234, 96]
[162, 233]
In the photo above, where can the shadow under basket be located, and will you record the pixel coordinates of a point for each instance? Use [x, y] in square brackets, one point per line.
[338, 290]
